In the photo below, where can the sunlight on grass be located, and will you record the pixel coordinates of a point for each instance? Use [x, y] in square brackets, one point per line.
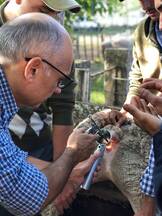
[97, 97]
[97, 86]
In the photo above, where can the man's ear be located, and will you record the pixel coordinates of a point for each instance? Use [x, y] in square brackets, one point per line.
[32, 68]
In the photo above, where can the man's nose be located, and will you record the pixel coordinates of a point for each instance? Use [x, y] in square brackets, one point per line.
[57, 90]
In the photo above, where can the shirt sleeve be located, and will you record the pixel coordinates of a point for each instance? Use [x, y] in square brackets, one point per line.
[23, 188]
[135, 76]
[63, 104]
[146, 182]
[158, 168]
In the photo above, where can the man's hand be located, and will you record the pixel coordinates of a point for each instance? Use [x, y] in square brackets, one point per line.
[82, 143]
[143, 117]
[72, 186]
[152, 83]
[133, 100]
[65, 198]
[156, 101]
[116, 118]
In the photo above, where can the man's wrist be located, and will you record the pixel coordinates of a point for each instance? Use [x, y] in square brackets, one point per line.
[71, 153]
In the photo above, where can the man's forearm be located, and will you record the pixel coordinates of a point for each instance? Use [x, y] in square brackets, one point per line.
[57, 174]
[60, 137]
[40, 164]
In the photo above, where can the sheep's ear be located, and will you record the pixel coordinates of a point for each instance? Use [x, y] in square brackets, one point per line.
[112, 145]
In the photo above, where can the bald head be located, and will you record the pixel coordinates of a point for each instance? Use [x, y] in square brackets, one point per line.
[30, 35]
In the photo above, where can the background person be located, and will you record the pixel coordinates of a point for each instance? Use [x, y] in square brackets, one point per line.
[146, 63]
[146, 117]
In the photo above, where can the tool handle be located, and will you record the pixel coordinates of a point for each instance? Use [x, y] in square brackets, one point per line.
[88, 180]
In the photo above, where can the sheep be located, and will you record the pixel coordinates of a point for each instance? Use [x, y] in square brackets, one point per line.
[125, 163]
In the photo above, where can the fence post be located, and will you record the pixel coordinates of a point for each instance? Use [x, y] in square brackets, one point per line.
[117, 63]
[82, 76]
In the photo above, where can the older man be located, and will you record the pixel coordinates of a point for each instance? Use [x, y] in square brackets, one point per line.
[35, 55]
[31, 128]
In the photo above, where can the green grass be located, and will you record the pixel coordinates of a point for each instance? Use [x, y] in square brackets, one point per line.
[97, 90]
[97, 97]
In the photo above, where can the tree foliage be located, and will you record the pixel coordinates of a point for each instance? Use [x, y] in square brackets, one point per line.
[98, 6]
[92, 7]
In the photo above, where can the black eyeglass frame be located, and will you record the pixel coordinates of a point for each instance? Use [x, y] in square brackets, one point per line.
[70, 80]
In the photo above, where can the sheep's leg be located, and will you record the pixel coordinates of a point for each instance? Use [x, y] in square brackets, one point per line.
[147, 207]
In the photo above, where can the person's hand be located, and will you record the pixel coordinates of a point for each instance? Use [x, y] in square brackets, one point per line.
[116, 118]
[152, 83]
[133, 100]
[82, 143]
[65, 198]
[156, 101]
[144, 116]
[76, 178]
[80, 170]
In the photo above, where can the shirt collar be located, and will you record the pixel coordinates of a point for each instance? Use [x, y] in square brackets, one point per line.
[7, 100]
[158, 34]
[150, 28]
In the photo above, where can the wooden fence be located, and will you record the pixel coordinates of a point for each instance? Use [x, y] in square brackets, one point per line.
[117, 66]
[88, 43]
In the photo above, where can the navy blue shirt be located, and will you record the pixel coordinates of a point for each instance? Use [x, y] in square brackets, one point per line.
[157, 144]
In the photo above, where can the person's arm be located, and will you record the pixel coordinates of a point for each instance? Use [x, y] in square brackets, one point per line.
[143, 117]
[60, 136]
[62, 106]
[135, 78]
[72, 186]
[40, 164]
[57, 173]
[26, 189]
[154, 126]
[135, 74]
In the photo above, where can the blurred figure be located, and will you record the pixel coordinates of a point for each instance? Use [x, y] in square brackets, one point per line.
[146, 63]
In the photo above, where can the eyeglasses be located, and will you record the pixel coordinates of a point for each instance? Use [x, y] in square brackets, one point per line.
[62, 83]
